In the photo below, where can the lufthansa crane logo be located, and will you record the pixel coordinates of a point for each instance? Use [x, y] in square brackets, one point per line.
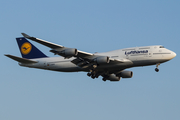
[26, 48]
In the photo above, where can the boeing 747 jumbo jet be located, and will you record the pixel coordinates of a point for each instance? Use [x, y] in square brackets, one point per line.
[110, 65]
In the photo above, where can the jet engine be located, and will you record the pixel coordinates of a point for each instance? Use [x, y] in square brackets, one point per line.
[102, 60]
[111, 77]
[68, 52]
[126, 74]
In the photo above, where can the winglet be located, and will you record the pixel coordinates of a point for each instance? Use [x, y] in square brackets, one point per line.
[25, 35]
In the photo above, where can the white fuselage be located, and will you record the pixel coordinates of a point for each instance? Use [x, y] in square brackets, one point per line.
[140, 56]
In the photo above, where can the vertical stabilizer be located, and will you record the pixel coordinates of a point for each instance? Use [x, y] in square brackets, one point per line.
[28, 50]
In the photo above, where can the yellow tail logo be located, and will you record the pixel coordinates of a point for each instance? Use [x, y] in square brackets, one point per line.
[26, 48]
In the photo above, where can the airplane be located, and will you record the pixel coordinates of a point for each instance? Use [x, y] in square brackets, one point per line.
[110, 65]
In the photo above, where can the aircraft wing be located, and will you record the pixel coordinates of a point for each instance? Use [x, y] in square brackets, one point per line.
[59, 49]
[83, 59]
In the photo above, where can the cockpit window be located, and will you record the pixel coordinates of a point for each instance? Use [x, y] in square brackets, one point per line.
[161, 47]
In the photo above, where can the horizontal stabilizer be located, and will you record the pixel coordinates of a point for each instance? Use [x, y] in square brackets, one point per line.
[21, 60]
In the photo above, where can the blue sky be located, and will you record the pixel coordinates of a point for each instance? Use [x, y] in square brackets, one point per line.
[91, 26]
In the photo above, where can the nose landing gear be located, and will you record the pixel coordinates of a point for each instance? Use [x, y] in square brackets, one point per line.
[156, 69]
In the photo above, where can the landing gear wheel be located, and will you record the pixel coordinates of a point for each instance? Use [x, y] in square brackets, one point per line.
[104, 79]
[157, 70]
[89, 74]
[93, 76]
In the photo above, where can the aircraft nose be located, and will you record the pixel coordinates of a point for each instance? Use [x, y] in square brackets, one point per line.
[170, 55]
[173, 54]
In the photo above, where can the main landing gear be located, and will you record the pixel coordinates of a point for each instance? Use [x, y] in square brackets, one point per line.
[93, 74]
[156, 69]
[104, 79]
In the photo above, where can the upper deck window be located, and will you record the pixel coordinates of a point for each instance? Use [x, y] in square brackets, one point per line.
[161, 47]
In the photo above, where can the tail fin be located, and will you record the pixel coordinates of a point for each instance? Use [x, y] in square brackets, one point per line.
[28, 50]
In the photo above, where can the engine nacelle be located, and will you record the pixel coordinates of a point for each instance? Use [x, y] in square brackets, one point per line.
[113, 77]
[126, 74]
[102, 59]
[69, 52]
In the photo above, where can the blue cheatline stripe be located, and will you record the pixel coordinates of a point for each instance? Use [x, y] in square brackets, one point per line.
[28, 50]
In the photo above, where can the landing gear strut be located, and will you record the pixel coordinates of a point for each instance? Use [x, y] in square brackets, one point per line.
[156, 69]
